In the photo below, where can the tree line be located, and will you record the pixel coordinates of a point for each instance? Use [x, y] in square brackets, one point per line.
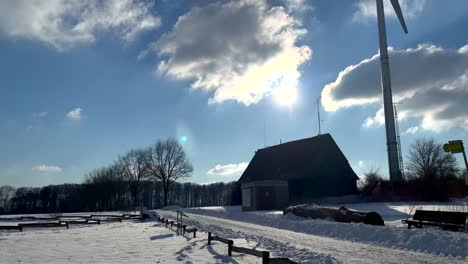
[142, 178]
[431, 174]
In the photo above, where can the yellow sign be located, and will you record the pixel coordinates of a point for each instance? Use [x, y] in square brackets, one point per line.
[453, 147]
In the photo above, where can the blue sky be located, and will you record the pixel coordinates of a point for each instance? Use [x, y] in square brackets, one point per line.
[82, 82]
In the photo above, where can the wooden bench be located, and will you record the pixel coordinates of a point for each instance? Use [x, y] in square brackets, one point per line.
[106, 215]
[46, 224]
[11, 227]
[113, 219]
[81, 222]
[447, 220]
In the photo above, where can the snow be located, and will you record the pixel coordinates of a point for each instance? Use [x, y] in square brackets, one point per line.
[302, 240]
[126, 242]
[172, 207]
[286, 235]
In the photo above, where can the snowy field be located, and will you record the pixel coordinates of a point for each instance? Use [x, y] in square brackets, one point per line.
[302, 240]
[126, 242]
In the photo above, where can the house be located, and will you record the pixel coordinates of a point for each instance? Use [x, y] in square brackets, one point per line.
[294, 172]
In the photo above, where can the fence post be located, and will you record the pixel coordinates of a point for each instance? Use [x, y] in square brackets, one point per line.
[230, 243]
[266, 257]
[183, 228]
[194, 233]
[209, 238]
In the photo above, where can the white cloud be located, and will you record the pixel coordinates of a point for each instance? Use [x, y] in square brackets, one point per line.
[40, 114]
[367, 9]
[376, 120]
[431, 84]
[298, 5]
[240, 50]
[75, 114]
[412, 130]
[46, 168]
[66, 23]
[228, 169]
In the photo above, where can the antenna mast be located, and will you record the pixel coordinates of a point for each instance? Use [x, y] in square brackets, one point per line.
[318, 115]
[400, 156]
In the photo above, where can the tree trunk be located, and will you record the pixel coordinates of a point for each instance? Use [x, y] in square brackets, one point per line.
[165, 190]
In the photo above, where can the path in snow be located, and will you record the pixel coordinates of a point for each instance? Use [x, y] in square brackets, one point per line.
[308, 248]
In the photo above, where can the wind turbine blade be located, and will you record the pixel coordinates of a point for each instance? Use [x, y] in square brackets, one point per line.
[397, 8]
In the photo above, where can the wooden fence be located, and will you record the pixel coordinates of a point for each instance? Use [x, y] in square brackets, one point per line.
[265, 255]
[184, 228]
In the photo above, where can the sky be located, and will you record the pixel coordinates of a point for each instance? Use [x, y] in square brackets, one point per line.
[82, 82]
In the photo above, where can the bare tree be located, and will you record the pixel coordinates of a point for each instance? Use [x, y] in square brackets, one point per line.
[6, 193]
[168, 163]
[133, 168]
[427, 160]
[370, 180]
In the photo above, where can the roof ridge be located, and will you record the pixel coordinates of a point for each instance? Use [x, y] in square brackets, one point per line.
[295, 141]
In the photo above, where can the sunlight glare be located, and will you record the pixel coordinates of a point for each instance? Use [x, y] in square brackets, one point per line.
[286, 95]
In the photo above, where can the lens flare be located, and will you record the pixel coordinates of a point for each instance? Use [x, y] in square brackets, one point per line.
[183, 138]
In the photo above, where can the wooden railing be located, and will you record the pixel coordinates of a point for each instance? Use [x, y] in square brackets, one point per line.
[265, 255]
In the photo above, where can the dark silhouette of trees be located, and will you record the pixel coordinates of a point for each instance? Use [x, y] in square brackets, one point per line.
[427, 160]
[6, 193]
[134, 169]
[148, 177]
[168, 163]
[103, 193]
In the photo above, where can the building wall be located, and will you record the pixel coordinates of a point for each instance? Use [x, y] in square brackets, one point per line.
[264, 196]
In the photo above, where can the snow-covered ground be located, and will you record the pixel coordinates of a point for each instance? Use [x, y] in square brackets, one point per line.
[302, 240]
[308, 240]
[126, 242]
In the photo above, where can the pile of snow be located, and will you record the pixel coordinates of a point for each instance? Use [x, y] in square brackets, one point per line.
[152, 214]
[171, 207]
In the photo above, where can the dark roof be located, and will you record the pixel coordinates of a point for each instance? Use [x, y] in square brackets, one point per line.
[317, 156]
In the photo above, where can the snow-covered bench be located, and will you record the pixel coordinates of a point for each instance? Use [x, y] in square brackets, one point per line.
[447, 220]
[11, 227]
[44, 224]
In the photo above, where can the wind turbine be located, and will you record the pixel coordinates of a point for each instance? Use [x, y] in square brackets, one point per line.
[392, 145]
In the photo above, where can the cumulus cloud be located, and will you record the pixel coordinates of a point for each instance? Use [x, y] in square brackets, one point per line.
[75, 114]
[46, 168]
[40, 114]
[430, 82]
[228, 169]
[240, 50]
[367, 9]
[66, 23]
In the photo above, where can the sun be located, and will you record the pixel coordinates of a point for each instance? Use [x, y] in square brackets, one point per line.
[286, 95]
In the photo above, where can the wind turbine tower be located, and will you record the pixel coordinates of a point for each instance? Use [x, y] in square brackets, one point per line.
[392, 144]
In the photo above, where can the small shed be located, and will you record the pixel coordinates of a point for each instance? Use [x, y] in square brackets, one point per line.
[295, 172]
